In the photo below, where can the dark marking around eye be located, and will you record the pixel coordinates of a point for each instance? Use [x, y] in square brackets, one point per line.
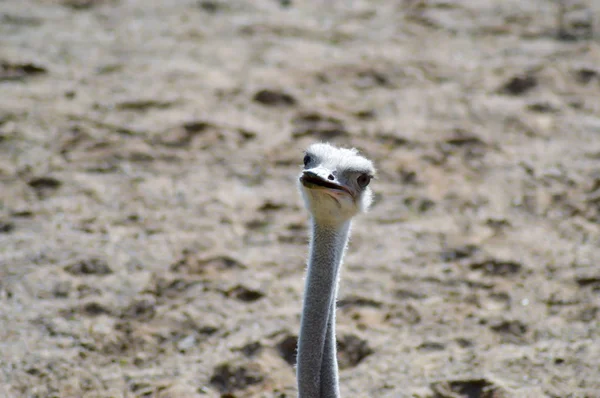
[363, 180]
[307, 160]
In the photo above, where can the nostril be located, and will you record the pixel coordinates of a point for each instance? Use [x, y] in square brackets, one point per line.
[331, 177]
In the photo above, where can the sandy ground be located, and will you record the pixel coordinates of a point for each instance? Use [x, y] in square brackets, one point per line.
[153, 242]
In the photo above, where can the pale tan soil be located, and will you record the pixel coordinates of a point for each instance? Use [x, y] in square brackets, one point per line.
[152, 240]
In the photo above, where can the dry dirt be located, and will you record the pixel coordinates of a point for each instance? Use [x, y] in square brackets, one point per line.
[153, 242]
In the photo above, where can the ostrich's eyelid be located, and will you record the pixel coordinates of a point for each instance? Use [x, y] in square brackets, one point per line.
[313, 157]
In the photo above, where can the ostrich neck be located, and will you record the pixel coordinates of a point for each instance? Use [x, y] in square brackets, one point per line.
[317, 365]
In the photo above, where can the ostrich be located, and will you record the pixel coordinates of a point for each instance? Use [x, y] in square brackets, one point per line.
[334, 185]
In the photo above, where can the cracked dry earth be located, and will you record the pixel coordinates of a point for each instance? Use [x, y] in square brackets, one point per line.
[153, 242]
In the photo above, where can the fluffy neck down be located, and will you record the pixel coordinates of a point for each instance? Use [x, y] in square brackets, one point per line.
[317, 368]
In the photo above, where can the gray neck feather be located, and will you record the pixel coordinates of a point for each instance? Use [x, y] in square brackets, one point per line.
[317, 369]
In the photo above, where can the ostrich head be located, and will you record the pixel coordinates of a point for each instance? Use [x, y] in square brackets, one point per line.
[335, 183]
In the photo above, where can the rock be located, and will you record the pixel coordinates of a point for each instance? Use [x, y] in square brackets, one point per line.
[288, 349]
[519, 84]
[90, 266]
[274, 98]
[186, 343]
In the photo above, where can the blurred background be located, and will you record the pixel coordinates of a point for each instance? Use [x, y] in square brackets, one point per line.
[153, 242]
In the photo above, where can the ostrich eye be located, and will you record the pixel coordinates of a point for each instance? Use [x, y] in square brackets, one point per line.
[307, 160]
[363, 180]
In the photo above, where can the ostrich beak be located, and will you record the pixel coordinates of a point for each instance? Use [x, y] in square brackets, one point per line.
[312, 180]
